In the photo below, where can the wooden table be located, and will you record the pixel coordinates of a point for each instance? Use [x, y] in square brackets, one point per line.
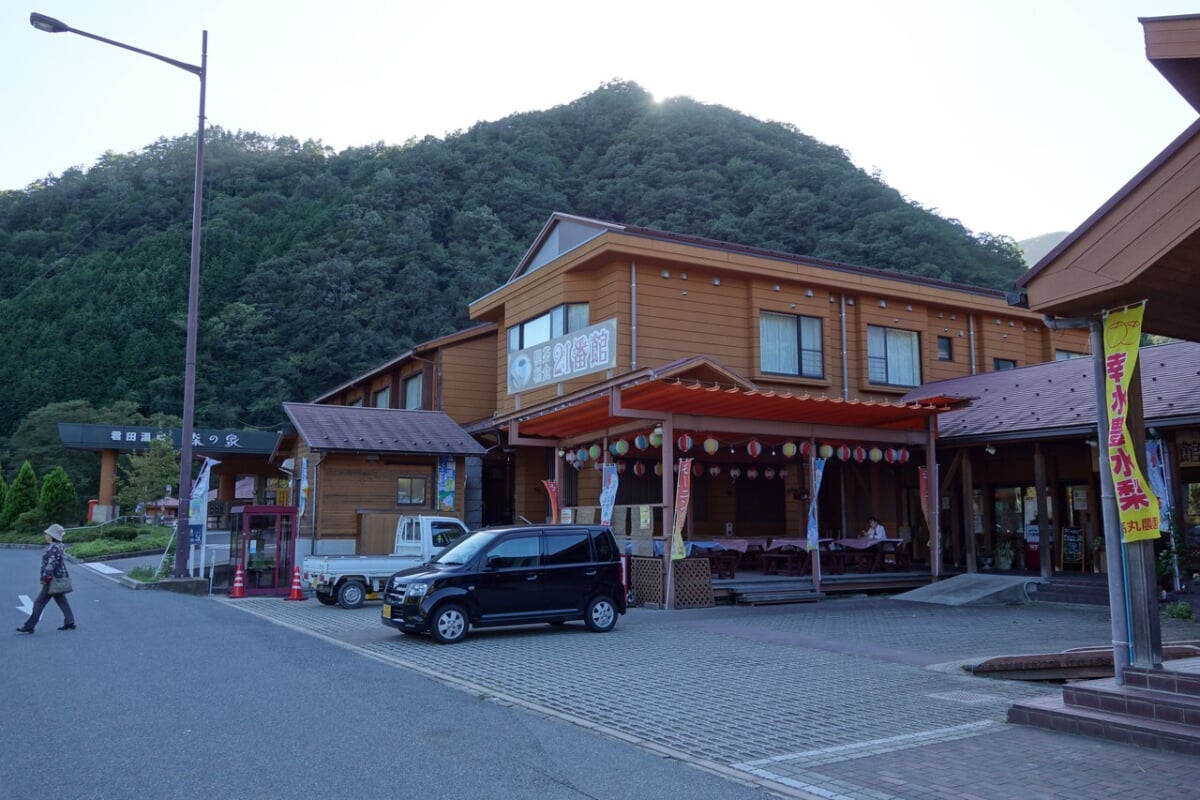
[868, 552]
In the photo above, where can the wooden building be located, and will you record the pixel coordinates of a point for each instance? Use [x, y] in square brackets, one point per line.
[747, 360]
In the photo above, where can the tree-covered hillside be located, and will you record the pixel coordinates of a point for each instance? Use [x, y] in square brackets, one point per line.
[318, 265]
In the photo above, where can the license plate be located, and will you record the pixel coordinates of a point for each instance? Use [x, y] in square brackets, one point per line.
[387, 611]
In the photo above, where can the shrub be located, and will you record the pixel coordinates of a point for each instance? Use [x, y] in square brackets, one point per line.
[22, 496]
[1180, 610]
[58, 499]
[101, 548]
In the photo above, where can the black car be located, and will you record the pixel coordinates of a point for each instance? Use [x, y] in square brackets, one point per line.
[512, 575]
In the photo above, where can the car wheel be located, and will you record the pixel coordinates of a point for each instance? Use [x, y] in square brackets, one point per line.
[326, 599]
[351, 594]
[601, 615]
[449, 623]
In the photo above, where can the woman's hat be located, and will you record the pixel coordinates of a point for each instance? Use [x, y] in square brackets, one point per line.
[56, 532]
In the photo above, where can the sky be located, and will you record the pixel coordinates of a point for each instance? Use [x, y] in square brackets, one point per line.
[1015, 117]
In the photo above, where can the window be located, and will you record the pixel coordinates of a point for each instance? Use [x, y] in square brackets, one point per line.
[413, 389]
[1003, 363]
[383, 398]
[1066, 355]
[790, 345]
[567, 548]
[945, 348]
[410, 491]
[893, 356]
[556, 322]
[355, 403]
[520, 551]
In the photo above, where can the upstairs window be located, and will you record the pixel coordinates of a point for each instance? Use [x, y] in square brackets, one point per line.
[413, 389]
[1003, 363]
[556, 322]
[383, 398]
[945, 348]
[893, 356]
[1067, 355]
[790, 345]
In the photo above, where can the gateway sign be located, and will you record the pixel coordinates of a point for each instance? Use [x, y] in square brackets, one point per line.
[593, 349]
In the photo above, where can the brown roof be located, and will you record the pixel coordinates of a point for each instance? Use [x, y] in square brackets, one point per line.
[1057, 399]
[380, 430]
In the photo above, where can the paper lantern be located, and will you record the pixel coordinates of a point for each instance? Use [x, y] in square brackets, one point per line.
[753, 448]
[843, 452]
[658, 468]
[598, 466]
[581, 455]
[860, 453]
[735, 472]
[825, 451]
[578, 464]
[612, 448]
[641, 441]
[783, 473]
[714, 470]
[620, 467]
[805, 449]
[789, 449]
[656, 438]
[569, 456]
[594, 451]
[769, 473]
[639, 469]
[711, 445]
[622, 447]
[752, 473]
[684, 443]
[877, 454]
[697, 468]
[902, 456]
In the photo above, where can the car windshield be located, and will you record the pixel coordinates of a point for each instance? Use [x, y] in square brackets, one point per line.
[464, 549]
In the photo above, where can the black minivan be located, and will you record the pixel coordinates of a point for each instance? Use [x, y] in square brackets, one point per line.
[511, 575]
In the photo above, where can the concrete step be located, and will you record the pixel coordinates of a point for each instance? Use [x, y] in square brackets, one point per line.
[762, 597]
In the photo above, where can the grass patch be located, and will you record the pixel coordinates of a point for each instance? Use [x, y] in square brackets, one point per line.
[151, 539]
[143, 574]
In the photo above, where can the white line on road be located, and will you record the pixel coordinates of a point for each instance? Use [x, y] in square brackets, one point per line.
[103, 569]
[26, 606]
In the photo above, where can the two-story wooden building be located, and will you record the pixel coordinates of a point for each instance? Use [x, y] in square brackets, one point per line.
[636, 346]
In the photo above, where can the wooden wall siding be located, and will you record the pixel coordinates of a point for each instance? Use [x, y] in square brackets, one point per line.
[467, 388]
[349, 483]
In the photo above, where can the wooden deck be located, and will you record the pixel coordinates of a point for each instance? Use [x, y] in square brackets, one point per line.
[751, 587]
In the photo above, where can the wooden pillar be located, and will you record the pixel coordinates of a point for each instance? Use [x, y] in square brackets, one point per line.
[968, 515]
[1044, 527]
[108, 478]
[227, 487]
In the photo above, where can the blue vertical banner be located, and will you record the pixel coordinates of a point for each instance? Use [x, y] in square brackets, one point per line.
[198, 503]
[445, 483]
[813, 532]
[608, 493]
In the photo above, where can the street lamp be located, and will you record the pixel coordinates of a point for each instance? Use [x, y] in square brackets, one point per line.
[51, 25]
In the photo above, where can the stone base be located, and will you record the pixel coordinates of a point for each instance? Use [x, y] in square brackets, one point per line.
[184, 585]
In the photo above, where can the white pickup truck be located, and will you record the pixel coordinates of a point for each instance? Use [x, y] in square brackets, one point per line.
[350, 580]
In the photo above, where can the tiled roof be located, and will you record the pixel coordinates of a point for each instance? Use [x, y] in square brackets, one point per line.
[380, 430]
[1058, 398]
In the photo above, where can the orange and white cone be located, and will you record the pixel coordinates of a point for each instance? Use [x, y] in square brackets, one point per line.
[297, 592]
[239, 586]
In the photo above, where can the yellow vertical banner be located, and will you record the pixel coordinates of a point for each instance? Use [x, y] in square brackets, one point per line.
[683, 491]
[1138, 508]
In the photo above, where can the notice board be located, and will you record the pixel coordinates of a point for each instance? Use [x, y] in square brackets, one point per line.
[1071, 550]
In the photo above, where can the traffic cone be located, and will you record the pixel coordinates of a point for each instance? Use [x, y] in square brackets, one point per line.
[239, 587]
[297, 593]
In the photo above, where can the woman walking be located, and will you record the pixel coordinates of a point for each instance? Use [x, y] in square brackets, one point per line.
[53, 566]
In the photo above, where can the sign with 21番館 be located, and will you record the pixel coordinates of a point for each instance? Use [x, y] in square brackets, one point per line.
[1136, 504]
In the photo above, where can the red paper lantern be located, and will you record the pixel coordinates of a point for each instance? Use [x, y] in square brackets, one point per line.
[860, 453]
[903, 455]
[753, 448]
[890, 455]
[697, 468]
[806, 449]
[843, 452]
[639, 468]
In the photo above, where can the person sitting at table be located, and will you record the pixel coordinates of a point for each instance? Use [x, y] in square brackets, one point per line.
[874, 529]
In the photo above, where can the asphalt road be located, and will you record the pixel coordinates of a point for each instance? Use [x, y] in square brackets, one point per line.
[165, 696]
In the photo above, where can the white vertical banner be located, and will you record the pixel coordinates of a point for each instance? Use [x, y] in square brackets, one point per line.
[302, 499]
[608, 493]
[198, 510]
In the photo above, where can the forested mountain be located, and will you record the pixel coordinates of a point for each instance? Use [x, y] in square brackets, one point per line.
[317, 265]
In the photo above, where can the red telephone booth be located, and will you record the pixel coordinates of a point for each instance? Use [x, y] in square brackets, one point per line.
[262, 541]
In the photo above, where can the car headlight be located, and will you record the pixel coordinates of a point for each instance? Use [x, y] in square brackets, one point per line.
[416, 590]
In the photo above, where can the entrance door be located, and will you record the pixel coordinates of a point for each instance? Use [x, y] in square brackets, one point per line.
[265, 548]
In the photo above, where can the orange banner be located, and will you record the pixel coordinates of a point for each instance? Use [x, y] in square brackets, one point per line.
[552, 493]
[1137, 507]
[683, 492]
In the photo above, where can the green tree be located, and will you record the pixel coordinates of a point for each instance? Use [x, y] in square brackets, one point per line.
[22, 496]
[58, 501]
[3, 491]
[146, 476]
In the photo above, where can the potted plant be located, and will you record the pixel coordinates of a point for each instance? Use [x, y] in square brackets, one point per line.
[1004, 554]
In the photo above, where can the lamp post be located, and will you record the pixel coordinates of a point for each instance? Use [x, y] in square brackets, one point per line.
[182, 540]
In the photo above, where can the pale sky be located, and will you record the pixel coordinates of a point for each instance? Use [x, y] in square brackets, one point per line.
[1016, 117]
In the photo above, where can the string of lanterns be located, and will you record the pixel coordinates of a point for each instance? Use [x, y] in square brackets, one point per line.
[620, 448]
